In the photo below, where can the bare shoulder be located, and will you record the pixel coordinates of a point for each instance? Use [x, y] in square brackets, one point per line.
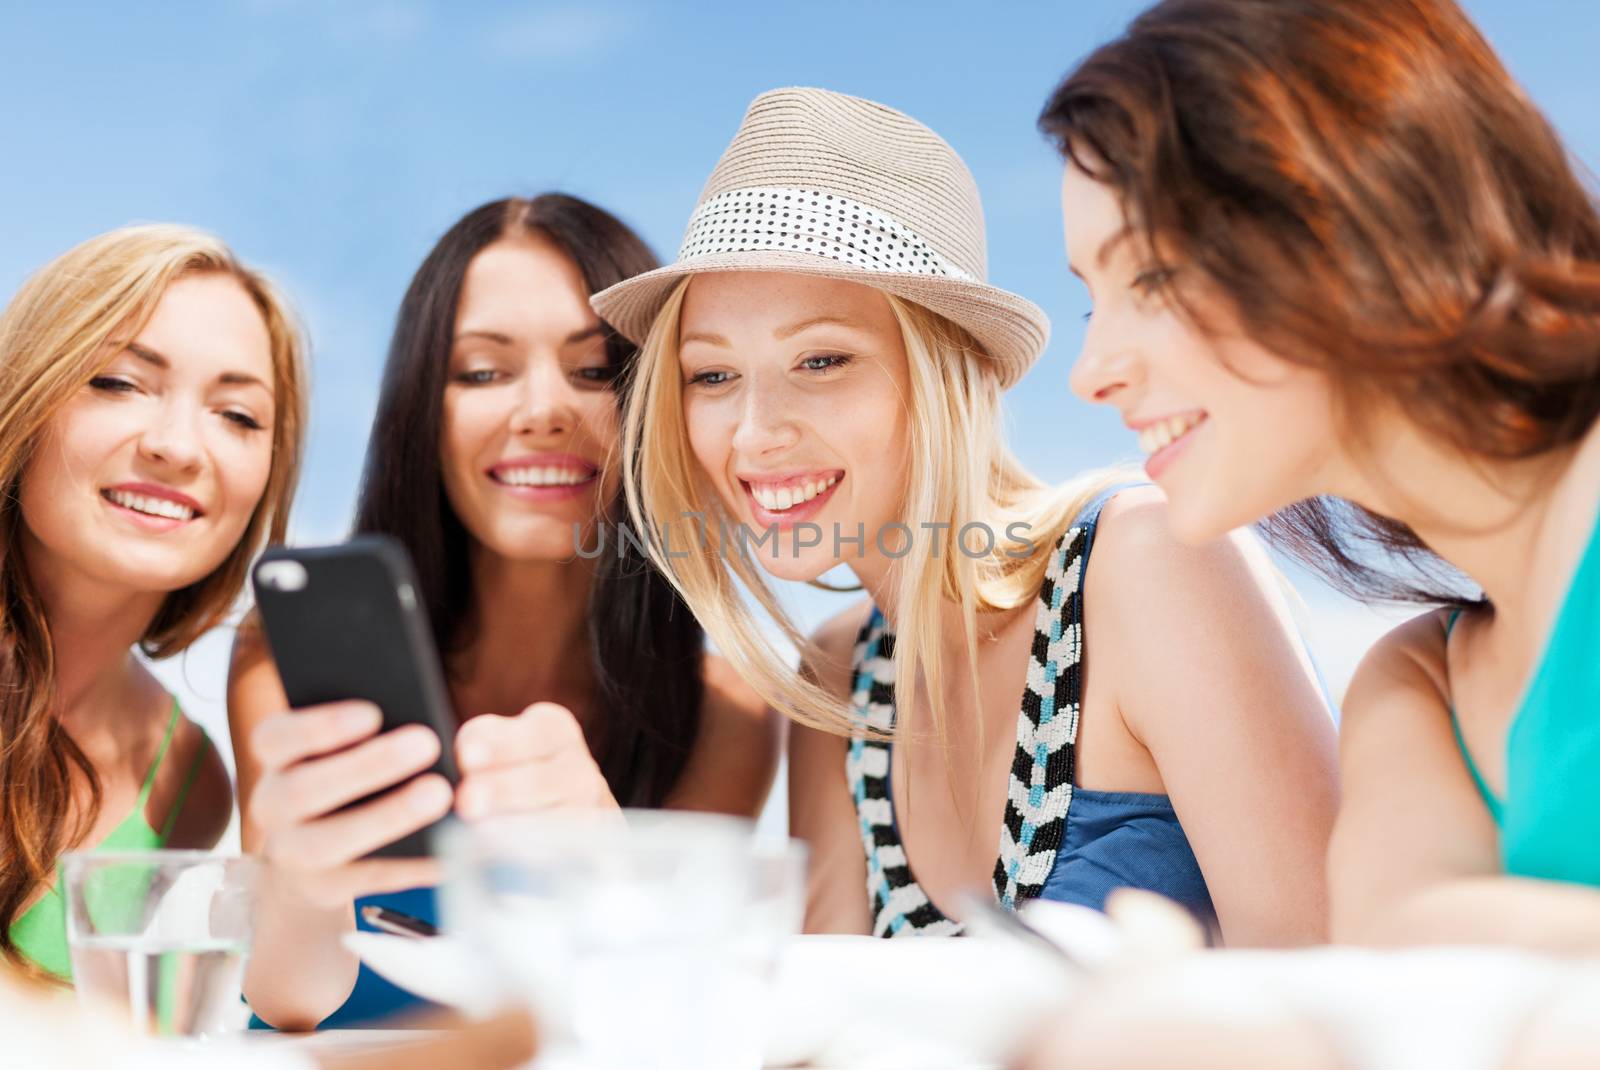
[833, 647]
[731, 703]
[254, 688]
[1404, 669]
[249, 646]
[192, 790]
[736, 751]
[1137, 563]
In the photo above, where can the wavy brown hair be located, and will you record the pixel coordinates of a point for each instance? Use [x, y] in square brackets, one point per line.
[1373, 196]
[57, 333]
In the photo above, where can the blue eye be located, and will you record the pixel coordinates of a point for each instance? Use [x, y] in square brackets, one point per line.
[709, 378]
[825, 362]
[478, 376]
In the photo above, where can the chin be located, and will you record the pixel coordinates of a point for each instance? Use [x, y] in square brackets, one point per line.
[154, 573]
[546, 545]
[809, 564]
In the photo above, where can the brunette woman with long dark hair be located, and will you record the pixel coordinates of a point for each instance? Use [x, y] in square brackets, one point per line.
[493, 458]
[1346, 276]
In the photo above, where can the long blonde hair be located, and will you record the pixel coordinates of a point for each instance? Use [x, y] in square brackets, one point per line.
[961, 472]
[54, 337]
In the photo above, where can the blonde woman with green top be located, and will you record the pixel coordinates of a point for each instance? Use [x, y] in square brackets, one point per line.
[1386, 336]
[150, 426]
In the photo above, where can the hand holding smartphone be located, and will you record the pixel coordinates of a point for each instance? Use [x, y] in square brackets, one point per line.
[345, 622]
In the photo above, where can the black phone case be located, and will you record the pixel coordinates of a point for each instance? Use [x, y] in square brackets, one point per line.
[356, 629]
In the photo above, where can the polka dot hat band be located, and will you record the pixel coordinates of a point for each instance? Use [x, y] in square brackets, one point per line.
[818, 183]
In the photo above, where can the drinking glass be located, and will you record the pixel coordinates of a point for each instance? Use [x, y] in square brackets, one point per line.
[160, 937]
[648, 938]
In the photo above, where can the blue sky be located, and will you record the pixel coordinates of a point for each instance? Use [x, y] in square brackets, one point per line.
[332, 143]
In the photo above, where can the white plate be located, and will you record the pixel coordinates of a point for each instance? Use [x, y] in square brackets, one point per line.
[913, 1002]
[441, 969]
[838, 1001]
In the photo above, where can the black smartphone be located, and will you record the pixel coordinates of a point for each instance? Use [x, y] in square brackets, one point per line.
[346, 622]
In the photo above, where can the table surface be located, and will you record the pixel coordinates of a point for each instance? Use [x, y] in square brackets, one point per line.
[369, 1040]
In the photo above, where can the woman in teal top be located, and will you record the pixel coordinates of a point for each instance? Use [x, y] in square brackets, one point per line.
[1345, 276]
[150, 415]
[1547, 812]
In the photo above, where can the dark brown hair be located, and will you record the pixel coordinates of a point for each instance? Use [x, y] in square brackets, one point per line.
[647, 646]
[1371, 195]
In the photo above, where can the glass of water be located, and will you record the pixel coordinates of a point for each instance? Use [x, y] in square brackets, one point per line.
[159, 937]
[644, 939]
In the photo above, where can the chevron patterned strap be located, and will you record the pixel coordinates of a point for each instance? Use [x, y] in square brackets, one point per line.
[1047, 732]
[1040, 788]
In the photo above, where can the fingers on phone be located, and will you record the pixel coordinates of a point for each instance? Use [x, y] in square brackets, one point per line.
[293, 736]
[320, 785]
[543, 730]
[343, 837]
[516, 790]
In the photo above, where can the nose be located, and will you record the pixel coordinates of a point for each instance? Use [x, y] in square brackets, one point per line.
[764, 426]
[173, 437]
[1106, 369]
[548, 405]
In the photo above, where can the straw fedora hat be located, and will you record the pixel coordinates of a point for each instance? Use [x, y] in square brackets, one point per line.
[818, 183]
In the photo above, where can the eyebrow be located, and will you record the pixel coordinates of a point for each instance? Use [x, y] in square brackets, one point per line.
[500, 338]
[234, 378]
[1107, 247]
[806, 324]
[781, 333]
[491, 336]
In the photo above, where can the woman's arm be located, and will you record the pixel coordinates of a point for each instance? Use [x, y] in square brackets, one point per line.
[1415, 856]
[299, 970]
[1209, 678]
[1545, 916]
[821, 810]
[736, 753]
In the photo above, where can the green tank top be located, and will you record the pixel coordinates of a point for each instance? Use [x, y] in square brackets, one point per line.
[1550, 817]
[41, 932]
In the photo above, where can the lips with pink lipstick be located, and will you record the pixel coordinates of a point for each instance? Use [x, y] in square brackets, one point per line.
[544, 477]
[788, 498]
[1164, 439]
[151, 506]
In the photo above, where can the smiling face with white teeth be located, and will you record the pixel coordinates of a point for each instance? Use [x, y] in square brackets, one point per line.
[147, 479]
[1231, 432]
[794, 393]
[530, 417]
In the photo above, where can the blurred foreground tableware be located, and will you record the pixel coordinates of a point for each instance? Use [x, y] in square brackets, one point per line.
[160, 937]
[918, 1002]
[441, 969]
[649, 938]
[1329, 1008]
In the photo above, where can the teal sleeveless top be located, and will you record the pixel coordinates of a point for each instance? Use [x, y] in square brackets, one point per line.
[1550, 817]
[41, 932]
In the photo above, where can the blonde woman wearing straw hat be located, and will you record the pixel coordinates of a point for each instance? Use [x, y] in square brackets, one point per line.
[820, 385]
